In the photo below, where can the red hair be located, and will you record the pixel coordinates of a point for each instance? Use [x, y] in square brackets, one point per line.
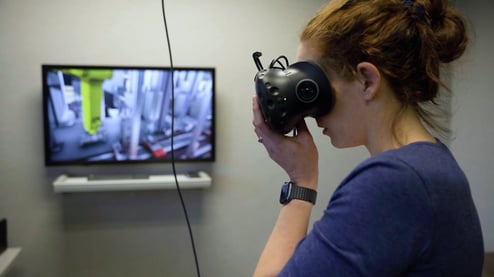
[407, 42]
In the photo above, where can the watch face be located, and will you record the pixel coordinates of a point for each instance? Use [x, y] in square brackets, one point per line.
[285, 192]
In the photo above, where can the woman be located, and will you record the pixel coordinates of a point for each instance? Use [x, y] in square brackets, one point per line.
[406, 210]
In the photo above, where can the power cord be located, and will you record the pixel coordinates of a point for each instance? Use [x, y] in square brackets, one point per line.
[279, 61]
[172, 141]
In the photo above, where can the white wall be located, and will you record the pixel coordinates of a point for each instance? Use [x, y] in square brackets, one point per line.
[144, 233]
[473, 112]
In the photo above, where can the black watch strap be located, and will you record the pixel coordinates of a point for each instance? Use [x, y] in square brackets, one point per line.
[291, 191]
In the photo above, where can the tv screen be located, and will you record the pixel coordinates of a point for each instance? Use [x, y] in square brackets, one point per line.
[117, 114]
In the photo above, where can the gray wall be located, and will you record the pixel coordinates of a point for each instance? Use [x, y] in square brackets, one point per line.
[144, 233]
[473, 113]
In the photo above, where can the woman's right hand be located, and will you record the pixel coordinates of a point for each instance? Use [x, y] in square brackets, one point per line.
[297, 154]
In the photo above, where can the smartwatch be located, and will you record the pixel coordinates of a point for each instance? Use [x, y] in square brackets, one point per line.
[290, 191]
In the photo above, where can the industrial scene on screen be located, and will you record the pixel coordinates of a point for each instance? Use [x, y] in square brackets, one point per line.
[111, 114]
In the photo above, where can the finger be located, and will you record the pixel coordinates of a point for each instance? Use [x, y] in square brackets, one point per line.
[302, 127]
[258, 118]
[260, 126]
[302, 130]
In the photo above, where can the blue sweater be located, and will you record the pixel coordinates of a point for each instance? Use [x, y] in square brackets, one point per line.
[404, 212]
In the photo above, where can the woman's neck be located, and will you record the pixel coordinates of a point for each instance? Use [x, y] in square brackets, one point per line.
[401, 129]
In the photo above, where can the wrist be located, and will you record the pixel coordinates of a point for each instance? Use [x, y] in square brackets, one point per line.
[310, 183]
[307, 181]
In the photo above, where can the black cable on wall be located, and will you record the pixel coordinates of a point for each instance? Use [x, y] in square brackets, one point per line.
[172, 141]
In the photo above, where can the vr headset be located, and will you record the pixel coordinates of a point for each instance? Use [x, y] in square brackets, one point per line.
[288, 93]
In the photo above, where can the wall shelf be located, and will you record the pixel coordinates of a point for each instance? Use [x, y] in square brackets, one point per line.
[7, 258]
[65, 183]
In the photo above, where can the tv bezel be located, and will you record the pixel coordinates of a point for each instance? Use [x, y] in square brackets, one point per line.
[46, 121]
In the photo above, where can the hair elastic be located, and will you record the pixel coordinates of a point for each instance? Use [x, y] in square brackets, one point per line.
[419, 10]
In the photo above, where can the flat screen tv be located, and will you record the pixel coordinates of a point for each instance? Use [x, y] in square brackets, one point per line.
[123, 114]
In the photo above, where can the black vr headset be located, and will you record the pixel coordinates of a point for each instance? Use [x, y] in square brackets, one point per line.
[288, 93]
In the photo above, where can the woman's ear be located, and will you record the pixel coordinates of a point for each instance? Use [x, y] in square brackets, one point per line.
[371, 79]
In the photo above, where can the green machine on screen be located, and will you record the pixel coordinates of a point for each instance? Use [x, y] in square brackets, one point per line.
[92, 94]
